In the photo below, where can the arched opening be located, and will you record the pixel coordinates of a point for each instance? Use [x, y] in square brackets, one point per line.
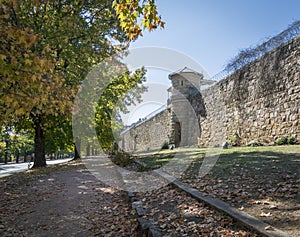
[177, 134]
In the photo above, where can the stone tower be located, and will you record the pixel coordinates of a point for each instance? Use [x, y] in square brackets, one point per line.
[185, 120]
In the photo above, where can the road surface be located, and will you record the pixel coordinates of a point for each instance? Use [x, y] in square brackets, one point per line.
[9, 169]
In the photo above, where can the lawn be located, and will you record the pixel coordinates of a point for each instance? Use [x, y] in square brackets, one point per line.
[263, 181]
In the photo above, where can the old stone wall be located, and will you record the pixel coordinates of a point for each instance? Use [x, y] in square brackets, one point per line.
[260, 102]
[148, 135]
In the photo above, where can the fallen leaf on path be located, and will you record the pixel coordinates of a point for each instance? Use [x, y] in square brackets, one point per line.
[265, 214]
[270, 228]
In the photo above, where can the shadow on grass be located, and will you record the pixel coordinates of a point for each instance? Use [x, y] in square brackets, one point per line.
[157, 160]
[263, 181]
[251, 170]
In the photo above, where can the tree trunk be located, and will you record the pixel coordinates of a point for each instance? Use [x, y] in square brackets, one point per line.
[39, 143]
[88, 150]
[77, 149]
[17, 157]
[5, 157]
[6, 152]
[25, 154]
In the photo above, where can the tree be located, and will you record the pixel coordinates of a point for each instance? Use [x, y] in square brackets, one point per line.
[13, 142]
[21, 143]
[107, 90]
[58, 136]
[113, 100]
[48, 46]
[129, 13]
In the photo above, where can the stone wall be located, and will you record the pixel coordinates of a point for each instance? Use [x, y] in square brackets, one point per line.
[148, 135]
[260, 102]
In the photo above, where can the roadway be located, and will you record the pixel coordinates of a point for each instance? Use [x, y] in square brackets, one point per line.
[11, 168]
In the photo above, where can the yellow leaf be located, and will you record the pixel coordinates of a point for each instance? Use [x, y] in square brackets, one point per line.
[6, 16]
[33, 77]
[2, 57]
[28, 62]
[20, 111]
[22, 39]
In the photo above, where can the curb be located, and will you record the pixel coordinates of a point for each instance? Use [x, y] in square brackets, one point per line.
[242, 217]
[146, 227]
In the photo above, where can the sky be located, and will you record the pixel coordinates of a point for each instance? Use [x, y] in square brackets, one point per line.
[212, 32]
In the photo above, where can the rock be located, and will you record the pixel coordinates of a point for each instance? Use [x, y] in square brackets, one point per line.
[225, 145]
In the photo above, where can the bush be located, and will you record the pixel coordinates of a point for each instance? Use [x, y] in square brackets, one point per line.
[121, 159]
[286, 140]
[291, 140]
[235, 140]
[165, 146]
[282, 141]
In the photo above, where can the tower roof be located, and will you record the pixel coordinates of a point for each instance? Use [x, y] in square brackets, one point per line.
[192, 75]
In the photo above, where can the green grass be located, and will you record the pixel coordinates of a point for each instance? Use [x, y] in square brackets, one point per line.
[231, 161]
[244, 177]
[258, 160]
[158, 159]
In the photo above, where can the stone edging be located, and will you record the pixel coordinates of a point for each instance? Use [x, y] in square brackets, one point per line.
[242, 217]
[146, 226]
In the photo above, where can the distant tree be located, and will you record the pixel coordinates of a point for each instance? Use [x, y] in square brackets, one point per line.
[21, 144]
[15, 143]
[113, 100]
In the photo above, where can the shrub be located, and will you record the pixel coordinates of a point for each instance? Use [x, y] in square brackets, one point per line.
[292, 140]
[121, 158]
[282, 141]
[165, 146]
[235, 140]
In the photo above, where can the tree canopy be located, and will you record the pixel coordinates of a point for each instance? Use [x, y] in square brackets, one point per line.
[47, 48]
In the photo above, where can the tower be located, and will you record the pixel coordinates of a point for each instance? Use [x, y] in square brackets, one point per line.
[185, 120]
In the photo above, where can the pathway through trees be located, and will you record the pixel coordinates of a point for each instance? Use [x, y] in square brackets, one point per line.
[67, 202]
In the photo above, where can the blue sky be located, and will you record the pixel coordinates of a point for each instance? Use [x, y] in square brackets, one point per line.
[212, 32]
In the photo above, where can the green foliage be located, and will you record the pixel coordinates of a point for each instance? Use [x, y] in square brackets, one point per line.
[292, 140]
[282, 141]
[165, 145]
[15, 142]
[121, 159]
[2, 149]
[58, 135]
[235, 140]
[47, 48]
[130, 12]
[122, 91]
[286, 140]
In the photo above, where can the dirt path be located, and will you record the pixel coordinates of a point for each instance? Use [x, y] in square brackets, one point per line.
[68, 202]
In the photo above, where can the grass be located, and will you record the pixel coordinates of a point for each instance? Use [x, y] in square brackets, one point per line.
[258, 160]
[230, 160]
[159, 159]
[262, 181]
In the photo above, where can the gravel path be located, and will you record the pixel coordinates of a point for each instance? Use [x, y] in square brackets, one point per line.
[68, 202]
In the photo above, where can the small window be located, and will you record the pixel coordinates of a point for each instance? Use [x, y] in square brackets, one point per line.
[181, 82]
